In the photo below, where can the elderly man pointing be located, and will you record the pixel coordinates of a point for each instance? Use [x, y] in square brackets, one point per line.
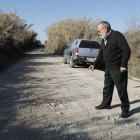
[116, 52]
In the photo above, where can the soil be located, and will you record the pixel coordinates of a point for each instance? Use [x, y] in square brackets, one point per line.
[42, 98]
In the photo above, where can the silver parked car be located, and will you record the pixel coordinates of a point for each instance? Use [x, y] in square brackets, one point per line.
[81, 51]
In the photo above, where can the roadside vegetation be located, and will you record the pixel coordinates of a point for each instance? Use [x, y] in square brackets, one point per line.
[133, 38]
[132, 35]
[15, 37]
[62, 32]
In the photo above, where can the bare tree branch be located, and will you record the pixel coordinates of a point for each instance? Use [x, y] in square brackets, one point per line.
[132, 23]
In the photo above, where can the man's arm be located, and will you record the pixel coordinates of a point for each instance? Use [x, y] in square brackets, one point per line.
[99, 58]
[97, 61]
[125, 49]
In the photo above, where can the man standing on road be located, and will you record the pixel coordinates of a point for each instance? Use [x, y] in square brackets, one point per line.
[116, 52]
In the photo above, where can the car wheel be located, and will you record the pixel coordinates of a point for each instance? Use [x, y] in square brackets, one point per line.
[64, 60]
[85, 64]
[72, 64]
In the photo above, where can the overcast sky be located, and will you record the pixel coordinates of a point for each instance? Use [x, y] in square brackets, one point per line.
[45, 12]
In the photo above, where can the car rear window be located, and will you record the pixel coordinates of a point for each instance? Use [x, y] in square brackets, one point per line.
[89, 44]
[76, 43]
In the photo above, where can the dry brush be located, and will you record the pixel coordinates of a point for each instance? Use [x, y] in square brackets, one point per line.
[14, 32]
[15, 37]
[61, 33]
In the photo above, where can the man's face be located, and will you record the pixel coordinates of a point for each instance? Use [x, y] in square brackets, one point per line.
[102, 31]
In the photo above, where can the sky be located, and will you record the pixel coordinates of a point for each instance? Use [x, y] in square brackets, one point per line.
[43, 13]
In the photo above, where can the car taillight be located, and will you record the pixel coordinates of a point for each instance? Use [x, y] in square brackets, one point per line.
[76, 50]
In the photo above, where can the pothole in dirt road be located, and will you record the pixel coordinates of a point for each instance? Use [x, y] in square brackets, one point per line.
[51, 103]
[45, 101]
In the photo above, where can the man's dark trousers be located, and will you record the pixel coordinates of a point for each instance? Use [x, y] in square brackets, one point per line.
[120, 80]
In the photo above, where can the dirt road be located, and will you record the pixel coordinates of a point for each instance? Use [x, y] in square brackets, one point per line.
[43, 99]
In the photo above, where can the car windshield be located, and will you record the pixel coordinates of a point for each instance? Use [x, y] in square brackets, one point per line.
[89, 44]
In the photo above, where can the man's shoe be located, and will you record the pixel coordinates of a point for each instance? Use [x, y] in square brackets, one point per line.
[102, 107]
[124, 114]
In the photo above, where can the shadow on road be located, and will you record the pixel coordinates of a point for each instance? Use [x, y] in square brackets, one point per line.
[133, 111]
[41, 55]
[137, 87]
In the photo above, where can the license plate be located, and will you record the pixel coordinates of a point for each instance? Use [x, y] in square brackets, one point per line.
[90, 59]
[91, 49]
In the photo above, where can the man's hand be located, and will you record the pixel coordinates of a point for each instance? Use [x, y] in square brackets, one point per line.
[91, 67]
[123, 69]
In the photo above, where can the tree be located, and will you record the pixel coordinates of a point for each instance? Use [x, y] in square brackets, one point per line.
[132, 23]
[38, 42]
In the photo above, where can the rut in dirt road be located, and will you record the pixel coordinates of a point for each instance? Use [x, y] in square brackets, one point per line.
[43, 99]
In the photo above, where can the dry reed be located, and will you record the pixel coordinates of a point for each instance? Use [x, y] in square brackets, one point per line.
[61, 33]
[14, 32]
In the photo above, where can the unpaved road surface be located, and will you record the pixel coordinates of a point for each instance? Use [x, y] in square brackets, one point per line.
[43, 99]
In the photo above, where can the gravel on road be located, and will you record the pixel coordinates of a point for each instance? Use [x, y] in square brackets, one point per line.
[43, 99]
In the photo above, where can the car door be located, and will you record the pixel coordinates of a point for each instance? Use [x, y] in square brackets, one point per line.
[66, 52]
[69, 50]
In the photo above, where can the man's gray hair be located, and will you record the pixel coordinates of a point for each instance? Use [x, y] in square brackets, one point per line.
[105, 24]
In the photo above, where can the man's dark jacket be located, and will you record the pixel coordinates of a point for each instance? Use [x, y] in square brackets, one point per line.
[115, 53]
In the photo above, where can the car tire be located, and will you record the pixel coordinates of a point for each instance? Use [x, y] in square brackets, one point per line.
[64, 60]
[85, 64]
[72, 63]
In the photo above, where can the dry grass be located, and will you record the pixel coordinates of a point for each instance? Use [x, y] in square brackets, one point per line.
[63, 32]
[134, 67]
[27, 41]
[133, 39]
